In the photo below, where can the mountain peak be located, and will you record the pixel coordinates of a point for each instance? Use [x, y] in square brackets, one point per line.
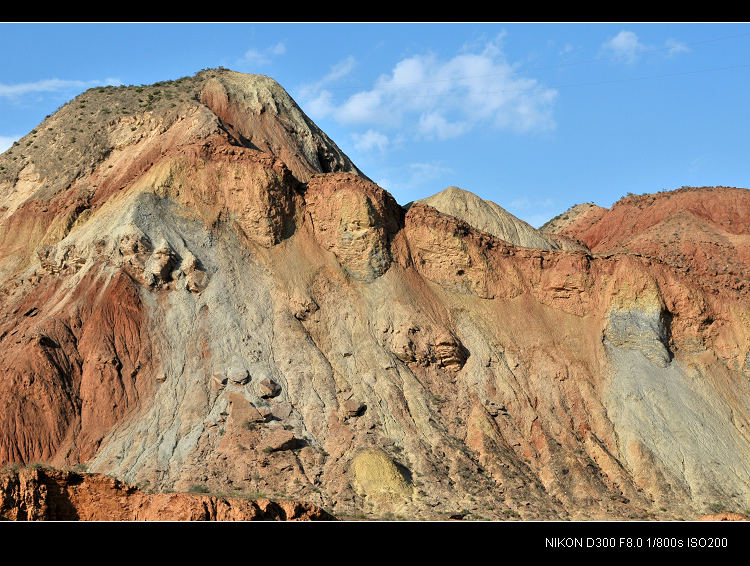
[265, 116]
[253, 111]
[492, 218]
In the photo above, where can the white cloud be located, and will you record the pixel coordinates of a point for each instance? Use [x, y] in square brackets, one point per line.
[624, 46]
[420, 173]
[567, 48]
[278, 49]
[262, 56]
[370, 140]
[384, 183]
[6, 142]
[362, 107]
[321, 105]
[428, 171]
[414, 177]
[51, 85]
[317, 100]
[434, 124]
[438, 98]
[339, 70]
[674, 47]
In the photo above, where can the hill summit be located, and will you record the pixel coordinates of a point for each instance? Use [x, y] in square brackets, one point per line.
[490, 217]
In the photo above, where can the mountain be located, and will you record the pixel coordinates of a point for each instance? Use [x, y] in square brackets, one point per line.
[699, 230]
[489, 217]
[198, 288]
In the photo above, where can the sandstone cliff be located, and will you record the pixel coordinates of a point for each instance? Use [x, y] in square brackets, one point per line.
[211, 294]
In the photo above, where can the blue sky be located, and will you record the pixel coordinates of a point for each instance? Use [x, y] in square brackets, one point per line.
[536, 117]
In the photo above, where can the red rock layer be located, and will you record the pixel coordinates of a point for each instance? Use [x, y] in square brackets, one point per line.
[67, 378]
[703, 231]
[54, 495]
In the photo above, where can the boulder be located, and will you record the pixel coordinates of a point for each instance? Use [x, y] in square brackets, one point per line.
[268, 388]
[353, 408]
[196, 281]
[279, 439]
[238, 374]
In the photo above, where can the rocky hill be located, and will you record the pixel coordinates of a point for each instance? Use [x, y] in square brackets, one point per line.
[704, 231]
[202, 290]
[490, 217]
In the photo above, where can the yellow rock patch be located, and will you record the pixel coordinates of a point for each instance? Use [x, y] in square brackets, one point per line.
[377, 476]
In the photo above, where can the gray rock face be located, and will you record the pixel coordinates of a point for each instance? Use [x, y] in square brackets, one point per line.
[674, 433]
[641, 330]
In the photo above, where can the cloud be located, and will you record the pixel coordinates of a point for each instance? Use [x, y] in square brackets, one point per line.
[319, 100]
[370, 140]
[51, 85]
[674, 47]
[6, 142]
[567, 48]
[278, 49]
[339, 70]
[624, 46]
[434, 124]
[262, 56]
[421, 173]
[439, 98]
[428, 171]
[320, 106]
[414, 177]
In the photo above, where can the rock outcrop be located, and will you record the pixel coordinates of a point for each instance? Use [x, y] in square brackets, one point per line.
[45, 494]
